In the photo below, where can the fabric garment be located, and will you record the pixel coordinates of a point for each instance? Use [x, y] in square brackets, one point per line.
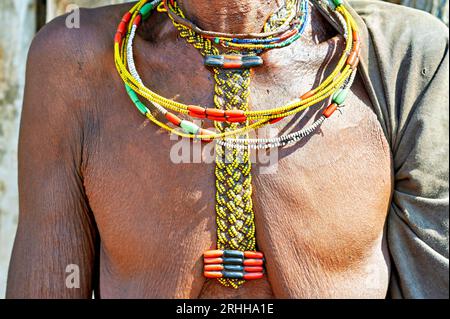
[439, 8]
[405, 68]
[234, 205]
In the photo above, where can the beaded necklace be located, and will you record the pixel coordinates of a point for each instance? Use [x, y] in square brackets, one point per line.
[332, 85]
[193, 111]
[262, 42]
[285, 140]
[235, 259]
[277, 25]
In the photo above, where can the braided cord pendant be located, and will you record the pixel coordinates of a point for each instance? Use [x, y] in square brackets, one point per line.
[234, 206]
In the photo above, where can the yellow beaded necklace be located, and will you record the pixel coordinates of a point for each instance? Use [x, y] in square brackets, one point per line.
[344, 68]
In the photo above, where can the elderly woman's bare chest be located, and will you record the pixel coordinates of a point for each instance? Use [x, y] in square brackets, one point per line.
[320, 205]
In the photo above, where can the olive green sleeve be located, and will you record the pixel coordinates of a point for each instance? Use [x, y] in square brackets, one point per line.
[418, 220]
[408, 73]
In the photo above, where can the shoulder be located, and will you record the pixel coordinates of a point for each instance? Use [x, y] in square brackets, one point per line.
[67, 45]
[408, 47]
[401, 27]
[407, 66]
[69, 70]
[400, 32]
[71, 65]
[398, 16]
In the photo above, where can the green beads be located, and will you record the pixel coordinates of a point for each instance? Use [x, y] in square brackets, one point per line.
[189, 127]
[340, 96]
[142, 108]
[133, 96]
[131, 93]
[337, 3]
[146, 10]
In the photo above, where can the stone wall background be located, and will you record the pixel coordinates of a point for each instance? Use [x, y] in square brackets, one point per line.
[19, 20]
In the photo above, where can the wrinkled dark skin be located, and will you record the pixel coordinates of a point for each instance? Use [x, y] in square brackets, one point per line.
[98, 188]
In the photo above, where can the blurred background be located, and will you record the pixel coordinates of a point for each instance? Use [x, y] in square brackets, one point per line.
[19, 22]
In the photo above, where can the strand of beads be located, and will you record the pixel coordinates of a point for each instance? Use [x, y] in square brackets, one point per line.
[230, 116]
[257, 44]
[188, 126]
[292, 138]
[285, 39]
[282, 41]
[290, 6]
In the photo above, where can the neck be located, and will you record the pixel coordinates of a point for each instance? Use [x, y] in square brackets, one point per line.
[230, 16]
